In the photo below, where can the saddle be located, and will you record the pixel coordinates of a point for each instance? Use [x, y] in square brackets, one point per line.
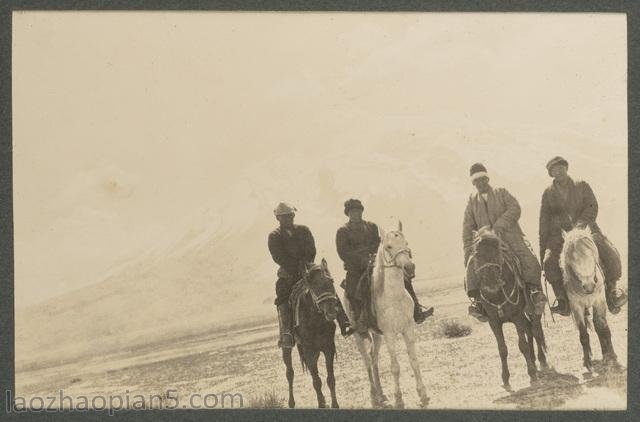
[363, 294]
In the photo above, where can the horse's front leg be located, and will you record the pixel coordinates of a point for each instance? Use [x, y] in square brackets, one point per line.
[390, 341]
[538, 335]
[496, 327]
[525, 348]
[375, 355]
[604, 333]
[410, 341]
[578, 313]
[331, 379]
[311, 359]
[286, 357]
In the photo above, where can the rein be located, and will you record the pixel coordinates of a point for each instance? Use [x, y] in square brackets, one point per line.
[507, 297]
[318, 299]
[391, 262]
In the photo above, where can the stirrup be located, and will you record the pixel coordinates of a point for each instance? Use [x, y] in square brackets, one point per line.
[477, 314]
[421, 313]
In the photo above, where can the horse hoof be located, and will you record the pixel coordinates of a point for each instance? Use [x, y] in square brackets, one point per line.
[335, 405]
[399, 404]
[292, 404]
[424, 402]
[507, 387]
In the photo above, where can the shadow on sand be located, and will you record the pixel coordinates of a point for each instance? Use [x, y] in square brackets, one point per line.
[551, 390]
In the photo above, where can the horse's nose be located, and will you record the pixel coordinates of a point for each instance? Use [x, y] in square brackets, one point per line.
[410, 269]
[589, 287]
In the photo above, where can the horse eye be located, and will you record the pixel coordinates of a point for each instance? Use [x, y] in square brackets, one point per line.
[388, 246]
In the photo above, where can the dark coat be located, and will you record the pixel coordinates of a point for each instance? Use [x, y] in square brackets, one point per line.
[291, 250]
[557, 212]
[355, 242]
[501, 212]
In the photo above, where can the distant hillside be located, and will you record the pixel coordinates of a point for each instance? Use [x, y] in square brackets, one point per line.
[218, 270]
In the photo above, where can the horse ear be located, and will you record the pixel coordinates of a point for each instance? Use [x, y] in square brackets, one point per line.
[400, 226]
[588, 229]
[323, 264]
[564, 234]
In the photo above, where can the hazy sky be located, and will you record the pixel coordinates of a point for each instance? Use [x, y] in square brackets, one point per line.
[126, 122]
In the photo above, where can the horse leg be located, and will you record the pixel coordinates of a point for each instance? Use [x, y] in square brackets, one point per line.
[311, 358]
[604, 333]
[578, 315]
[331, 379]
[410, 341]
[286, 357]
[367, 350]
[375, 354]
[525, 347]
[390, 341]
[528, 330]
[538, 335]
[496, 327]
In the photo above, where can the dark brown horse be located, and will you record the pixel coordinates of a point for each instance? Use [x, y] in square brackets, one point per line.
[504, 302]
[315, 330]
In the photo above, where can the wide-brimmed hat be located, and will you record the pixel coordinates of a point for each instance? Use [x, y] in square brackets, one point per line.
[352, 204]
[284, 209]
[554, 161]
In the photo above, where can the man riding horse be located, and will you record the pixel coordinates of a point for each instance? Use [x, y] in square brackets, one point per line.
[292, 247]
[567, 204]
[496, 210]
[357, 243]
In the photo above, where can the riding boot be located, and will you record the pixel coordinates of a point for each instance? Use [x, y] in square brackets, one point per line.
[343, 320]
[562, 302]
[359, 317]
[616, 297]
[420, 313]
[285, 322]
[476, 309]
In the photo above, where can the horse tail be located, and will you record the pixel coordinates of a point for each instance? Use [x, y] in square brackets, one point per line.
[301, 353]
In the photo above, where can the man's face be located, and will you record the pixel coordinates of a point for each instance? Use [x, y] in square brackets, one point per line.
[558, 171]
[355, 214]
[482, 184]
[286, 219]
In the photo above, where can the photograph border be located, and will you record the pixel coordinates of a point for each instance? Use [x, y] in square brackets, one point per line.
[7, 350]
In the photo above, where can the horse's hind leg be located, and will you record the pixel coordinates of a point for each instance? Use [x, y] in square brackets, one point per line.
[525, 348]
[604, 333]
[496, 327]
[331, 379]
[286, 357]
[311, 358]
[410, 341]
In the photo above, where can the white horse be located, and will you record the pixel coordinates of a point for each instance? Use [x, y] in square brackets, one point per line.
[584, 283]
[393, 308]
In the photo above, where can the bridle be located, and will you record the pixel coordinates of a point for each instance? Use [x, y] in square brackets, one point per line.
[318, 299]
[507, 297]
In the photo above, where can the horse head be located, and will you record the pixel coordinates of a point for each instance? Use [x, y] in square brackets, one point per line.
[489, 260]
[395, 251]
[322, 291]
[580, 261]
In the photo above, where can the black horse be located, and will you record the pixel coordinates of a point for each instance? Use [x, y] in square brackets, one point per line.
[315, 330]
[504, 302]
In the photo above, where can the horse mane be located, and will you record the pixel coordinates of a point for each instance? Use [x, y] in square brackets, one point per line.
[571, 241]
[378, 270]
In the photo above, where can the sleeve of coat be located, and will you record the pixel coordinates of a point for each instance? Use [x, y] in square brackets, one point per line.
[589, 206]
[511, 214]
[468, 226]
[310, 246]
[342, 245]
[275, 248]
[375, 242]
[545, 223]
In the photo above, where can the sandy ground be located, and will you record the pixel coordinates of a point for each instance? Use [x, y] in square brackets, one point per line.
[458, 372]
